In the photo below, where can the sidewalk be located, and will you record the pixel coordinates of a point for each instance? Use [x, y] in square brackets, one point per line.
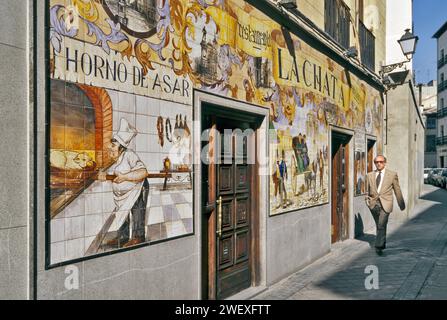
[414, 265]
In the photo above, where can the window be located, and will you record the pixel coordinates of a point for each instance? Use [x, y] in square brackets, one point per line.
[442, 131]
[442, 111]
[441, 85]
[431, 123]
[367, 46]
[442, 59]
[336, 21]
[430, 143]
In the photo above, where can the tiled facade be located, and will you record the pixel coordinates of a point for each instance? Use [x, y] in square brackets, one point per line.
[100, 82]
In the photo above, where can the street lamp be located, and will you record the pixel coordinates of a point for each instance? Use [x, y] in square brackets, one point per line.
[391, 80]
[408, 45]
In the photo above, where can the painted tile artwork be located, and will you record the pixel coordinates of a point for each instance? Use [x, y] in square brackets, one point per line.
[359, 173]
[122, 79]
[95, 130]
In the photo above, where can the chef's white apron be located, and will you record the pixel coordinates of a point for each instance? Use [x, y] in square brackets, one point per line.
[125, 194]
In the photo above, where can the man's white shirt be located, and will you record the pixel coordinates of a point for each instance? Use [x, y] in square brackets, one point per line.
[381, 179]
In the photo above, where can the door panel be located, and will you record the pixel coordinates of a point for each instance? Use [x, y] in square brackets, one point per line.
[242, 179]
[231, 224]
[370, 156]
[227, 214]
[340, 195]
[233, 281]
[344, 194]
[225, 180]
[242, 246]
[211, 174]
[336, 177]
[234, 187]
[226, 251]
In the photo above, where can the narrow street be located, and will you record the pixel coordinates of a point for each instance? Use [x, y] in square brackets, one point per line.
[414, 265]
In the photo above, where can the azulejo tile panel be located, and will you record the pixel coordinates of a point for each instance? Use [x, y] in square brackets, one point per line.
[122, 78]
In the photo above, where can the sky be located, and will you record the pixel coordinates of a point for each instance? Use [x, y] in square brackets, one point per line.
[428, 17]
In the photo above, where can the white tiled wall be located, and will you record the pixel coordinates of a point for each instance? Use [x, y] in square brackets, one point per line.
[74, 229]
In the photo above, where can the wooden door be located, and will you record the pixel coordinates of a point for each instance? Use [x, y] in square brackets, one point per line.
[370, 156]
[233, 236]
[210, 217]
[230, 223]
[340, 180]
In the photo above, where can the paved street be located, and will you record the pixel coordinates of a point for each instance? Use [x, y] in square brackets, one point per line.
[414, 265]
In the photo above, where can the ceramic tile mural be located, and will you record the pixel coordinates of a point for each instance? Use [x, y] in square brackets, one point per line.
[359, 162]
[359, 173]
[107, 175]
[122, 78]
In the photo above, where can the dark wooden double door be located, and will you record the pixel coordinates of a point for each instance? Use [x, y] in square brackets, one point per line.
[230, 208]
[340, 182]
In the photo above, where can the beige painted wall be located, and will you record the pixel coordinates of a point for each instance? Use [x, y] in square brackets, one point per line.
[405, 146]
[374, 20]
[399, 18]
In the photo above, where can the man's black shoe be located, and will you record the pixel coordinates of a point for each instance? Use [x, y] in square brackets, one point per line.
[379, 251]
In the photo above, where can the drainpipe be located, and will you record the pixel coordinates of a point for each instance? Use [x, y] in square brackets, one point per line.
[386, 118]
[420, 94]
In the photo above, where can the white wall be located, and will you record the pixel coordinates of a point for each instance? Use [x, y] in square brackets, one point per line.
[405, 148]
[429, 96]
[16, 181]
[399, 16]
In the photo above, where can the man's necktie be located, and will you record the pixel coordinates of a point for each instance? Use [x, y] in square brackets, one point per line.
[378, 179]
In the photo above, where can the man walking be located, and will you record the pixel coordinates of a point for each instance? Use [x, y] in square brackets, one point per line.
[380, 185]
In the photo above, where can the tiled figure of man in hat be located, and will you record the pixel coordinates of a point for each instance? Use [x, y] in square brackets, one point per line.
[130, 189]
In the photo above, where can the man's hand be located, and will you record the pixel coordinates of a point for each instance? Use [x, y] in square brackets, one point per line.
[120, 178]
[367, 200]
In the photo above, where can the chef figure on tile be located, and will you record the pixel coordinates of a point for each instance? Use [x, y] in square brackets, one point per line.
[130, 189]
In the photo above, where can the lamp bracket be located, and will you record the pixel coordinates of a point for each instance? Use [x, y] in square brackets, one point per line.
[391, 67]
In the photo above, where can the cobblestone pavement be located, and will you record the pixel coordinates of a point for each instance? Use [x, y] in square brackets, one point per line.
[414, 265]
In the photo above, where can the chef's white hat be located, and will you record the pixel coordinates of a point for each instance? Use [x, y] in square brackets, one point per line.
[125, 133]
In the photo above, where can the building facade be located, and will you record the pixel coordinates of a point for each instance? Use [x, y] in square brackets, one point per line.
[404, 126]
[441, 138]
[210, 155]
[426, 95]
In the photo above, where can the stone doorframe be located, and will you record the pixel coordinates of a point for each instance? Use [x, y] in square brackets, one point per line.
[350, 186]
[200, 98]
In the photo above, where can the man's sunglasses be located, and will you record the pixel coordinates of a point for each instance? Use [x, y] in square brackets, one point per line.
[379, 161]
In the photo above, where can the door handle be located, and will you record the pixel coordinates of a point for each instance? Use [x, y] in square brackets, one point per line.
[219, 217]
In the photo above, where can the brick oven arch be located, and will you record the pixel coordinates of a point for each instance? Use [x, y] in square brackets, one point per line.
[102, 104]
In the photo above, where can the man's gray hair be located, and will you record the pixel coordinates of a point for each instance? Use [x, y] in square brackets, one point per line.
[380, 155]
